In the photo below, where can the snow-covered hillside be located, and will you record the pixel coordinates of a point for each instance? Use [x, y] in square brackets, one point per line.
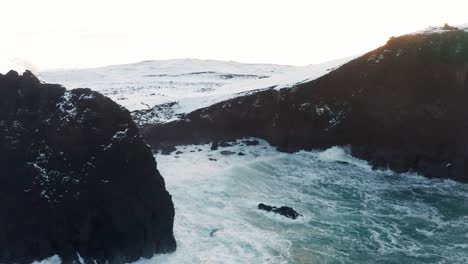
[181, 86]
[145, 84]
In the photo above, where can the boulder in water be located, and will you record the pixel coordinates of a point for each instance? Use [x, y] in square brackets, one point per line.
[226, 144]
[167, 150]
[283, 210]
[214, 145]
[227, 153]
[251, 142]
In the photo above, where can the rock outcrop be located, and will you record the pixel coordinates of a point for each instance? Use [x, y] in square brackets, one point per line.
[402, 106]
[76, 178]
[285, 211]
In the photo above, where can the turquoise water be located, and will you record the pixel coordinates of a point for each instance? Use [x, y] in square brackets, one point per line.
[356, 216]
[351, 214]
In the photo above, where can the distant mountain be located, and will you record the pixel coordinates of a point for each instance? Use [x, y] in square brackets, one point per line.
[162, 91]
[401, 106]
[142, 85]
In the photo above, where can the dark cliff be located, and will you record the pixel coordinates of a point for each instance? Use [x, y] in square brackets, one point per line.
[76, 178]
[401, 106]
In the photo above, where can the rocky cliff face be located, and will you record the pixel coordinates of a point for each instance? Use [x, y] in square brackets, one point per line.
[76, 178]
[402, 106]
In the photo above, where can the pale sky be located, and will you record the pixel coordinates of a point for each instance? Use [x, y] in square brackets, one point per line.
[52, 34]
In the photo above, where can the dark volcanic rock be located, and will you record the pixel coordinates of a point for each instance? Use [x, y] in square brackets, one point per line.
[76, 177]
[225, 144]
[213, 232]
[251, 142]
[227, 153]
[283, 210]
[448, 27]
[167, 150]
[402, 106]
[214, 145]
[156, 114]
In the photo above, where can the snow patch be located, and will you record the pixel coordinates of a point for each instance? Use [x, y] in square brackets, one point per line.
[86, 97]
[119, 135]
[67, 107]
[439, 30]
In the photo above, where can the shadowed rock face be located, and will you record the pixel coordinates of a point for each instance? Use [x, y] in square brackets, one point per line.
[401, 106]
[76, 177]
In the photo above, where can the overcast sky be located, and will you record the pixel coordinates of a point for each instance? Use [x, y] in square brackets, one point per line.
[51, 34]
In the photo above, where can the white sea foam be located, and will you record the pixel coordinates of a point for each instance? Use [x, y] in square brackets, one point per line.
[341, 154]
[51, 260]
[350, 213]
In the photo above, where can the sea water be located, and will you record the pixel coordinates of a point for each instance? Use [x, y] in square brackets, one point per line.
[350, 214]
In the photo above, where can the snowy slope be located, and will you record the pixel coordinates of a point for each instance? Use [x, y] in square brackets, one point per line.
[145, 84]
[436, 30]
[180, 86]
[284, 80]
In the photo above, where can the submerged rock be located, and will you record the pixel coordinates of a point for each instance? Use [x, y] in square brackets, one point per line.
[214, 145]
[213, 232]
[227, 153]
[283, 210]
[225, 144]
[167, 150]
[76, 178]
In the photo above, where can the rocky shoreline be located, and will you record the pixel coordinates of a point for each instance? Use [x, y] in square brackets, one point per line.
[401, 106]
[77, 180]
